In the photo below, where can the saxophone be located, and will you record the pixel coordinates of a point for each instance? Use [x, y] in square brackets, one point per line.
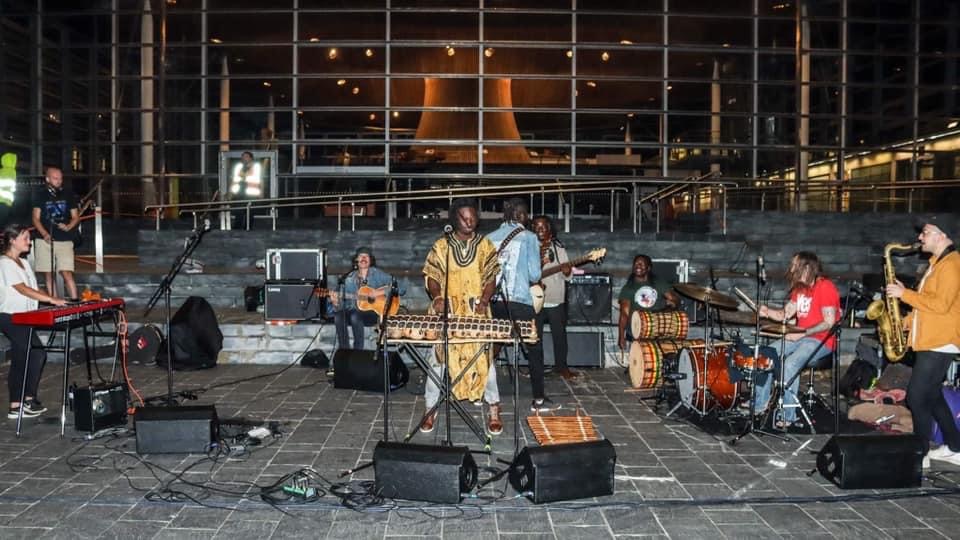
[886, 311]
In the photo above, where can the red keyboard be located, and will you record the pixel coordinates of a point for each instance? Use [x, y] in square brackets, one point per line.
[54, 315]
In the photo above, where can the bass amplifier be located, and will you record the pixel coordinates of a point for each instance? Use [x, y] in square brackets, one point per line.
[584, 349]
[98, 407]
[296, 264]
[291, 301]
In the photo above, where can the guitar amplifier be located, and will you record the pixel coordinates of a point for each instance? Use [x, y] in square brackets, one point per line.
[291, 301]
[98, 407]
[296, 264]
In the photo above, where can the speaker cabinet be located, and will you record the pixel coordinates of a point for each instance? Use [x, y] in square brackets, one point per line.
[175, 430]
[420, 472]
[294, 301]
[99, 407]
[589, 299]
[357, 369]
[584, 349]
[560, 472]
[872, 461]
[296, 264]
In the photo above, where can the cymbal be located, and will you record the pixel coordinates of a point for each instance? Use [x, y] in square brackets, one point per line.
[779, 328]
[706, 294]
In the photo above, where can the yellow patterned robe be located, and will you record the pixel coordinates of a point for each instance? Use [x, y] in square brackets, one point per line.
[473, 265]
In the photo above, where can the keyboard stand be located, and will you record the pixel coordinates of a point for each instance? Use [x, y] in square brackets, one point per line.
[82, 322]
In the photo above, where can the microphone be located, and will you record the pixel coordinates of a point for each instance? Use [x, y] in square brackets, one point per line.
[447, 229]
[761, 270]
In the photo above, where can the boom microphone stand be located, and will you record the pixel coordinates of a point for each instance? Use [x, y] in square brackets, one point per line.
[751, 427]
[164, 290]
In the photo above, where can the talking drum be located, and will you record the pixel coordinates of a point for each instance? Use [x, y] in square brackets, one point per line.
[647, 360]
[702, 390]
[661, 325]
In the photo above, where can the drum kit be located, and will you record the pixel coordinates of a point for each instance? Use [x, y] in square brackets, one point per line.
[702, 371]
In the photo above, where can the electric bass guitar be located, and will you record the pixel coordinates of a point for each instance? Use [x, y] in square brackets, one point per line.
[537, 289]
[367, 299]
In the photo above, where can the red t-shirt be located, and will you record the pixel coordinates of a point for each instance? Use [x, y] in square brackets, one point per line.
[810, 302]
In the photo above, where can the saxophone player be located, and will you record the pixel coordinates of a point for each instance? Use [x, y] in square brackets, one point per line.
[934, 335]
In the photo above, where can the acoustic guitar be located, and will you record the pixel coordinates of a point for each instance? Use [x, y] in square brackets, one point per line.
[367, 299]
[537, 289]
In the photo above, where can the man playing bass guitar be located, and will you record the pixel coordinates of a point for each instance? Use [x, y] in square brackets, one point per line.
[553, 254]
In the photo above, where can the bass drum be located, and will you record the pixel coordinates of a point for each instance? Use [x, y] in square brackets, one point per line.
[144, 344]
[650, 360]
[701, 390]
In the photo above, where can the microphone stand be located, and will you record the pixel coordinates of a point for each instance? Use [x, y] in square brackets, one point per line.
[751, 427]
[164, 290]
[382, 345]
[445, 329]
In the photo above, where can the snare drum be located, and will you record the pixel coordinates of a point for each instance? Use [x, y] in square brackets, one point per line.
[702, 391]
[661, 325]
[749, 363]
[648, 358]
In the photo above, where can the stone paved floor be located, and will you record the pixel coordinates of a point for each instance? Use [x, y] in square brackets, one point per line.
[672, 479]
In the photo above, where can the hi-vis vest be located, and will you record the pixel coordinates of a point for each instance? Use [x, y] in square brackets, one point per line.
[245, 181]
[8, 178]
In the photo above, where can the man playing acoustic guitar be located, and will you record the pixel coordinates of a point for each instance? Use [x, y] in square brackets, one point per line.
[374, 282]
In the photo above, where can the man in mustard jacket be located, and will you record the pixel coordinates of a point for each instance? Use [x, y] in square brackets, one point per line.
[934, 335]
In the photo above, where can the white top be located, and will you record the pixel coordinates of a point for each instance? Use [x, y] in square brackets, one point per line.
[11, 301]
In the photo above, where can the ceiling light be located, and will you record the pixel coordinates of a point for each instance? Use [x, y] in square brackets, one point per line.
[451, 51]
[368, 53]
[355, 90]
[341, 82]
[605, 56]
[332, 53]
[396, 114]
[488, 52]
[569, 54]
[267, 84]
[592, 84]
[373, 116]
[314, 40]
[626, 42]
[216, 40]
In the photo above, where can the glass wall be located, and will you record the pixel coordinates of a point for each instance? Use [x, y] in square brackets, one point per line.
[363, 94]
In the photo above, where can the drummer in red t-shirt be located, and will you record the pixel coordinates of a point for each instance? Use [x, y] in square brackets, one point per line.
[815, 303]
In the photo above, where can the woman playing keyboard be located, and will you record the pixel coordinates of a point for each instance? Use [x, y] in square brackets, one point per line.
[18, 293]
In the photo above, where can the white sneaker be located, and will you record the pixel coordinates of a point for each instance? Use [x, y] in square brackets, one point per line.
[940, 452]
[953, 459]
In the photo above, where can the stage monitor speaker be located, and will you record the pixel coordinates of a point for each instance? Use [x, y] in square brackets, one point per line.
[560, 472]
[176, 430]
[589, 299]
[872, 461]
[418, 472]
[98, 407]
[293, 301]
[584, 349]
[363, 370]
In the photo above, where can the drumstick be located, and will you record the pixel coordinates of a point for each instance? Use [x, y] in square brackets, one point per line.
[745, 298]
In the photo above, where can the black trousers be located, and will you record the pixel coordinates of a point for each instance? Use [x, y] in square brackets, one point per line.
[18, 336]
[926, 401]
[533, 351]
[556, 317]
